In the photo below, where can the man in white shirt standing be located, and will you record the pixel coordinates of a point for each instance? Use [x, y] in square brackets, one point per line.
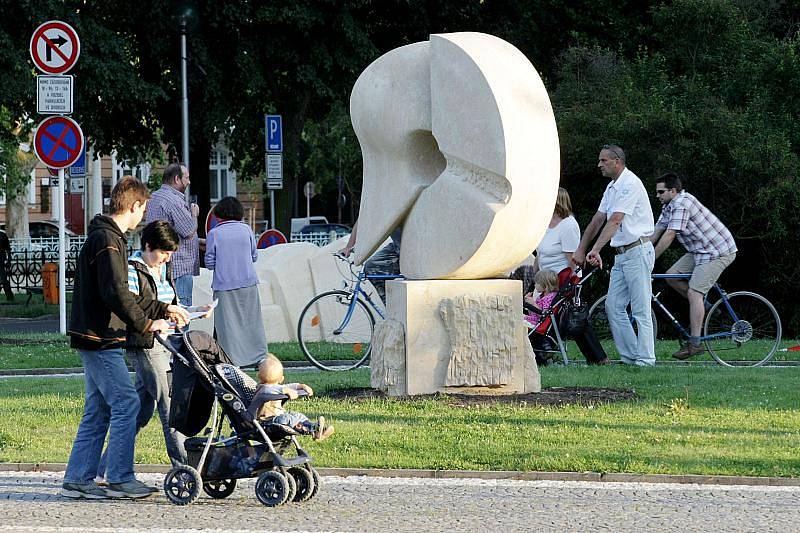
[628, 218]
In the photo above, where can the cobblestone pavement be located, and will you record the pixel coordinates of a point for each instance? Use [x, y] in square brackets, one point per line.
[29, 502]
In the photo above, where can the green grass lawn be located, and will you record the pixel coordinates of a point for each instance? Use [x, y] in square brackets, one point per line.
[36, 308]
[687, 419]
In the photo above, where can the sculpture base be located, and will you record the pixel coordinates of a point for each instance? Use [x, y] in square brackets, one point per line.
[459, 336]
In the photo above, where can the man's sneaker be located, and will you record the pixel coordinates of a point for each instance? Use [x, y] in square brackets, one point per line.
[130, 489]
[87, 491]
[101, 481]
[322, 430]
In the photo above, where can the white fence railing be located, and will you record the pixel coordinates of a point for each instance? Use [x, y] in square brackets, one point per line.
[48, 244]
[320, 239]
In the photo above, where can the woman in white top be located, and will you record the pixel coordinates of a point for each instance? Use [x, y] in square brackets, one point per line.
[555, 253]
[561, 238]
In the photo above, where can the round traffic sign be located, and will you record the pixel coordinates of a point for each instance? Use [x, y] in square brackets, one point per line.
[271, 237]
[211, 221]
[58, 142]
[55, 47]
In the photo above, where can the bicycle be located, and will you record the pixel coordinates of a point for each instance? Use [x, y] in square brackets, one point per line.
[740, 329]
[335, 328]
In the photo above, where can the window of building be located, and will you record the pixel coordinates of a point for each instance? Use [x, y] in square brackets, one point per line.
[142, 171]
[223, 180]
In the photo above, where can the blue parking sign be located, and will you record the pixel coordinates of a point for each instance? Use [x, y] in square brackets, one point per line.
[78, 168]
[273, 129]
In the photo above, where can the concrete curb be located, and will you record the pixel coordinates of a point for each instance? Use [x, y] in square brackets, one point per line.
[683, 479]
[79, 369]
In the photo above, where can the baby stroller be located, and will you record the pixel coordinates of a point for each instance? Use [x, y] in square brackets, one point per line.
[548, 338]
[203, 377]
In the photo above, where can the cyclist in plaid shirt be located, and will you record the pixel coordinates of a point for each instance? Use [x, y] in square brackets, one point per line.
[710, 246]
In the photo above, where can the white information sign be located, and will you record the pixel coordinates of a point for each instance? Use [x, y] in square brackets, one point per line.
[77, 185]
[54, 95]
[274, 163]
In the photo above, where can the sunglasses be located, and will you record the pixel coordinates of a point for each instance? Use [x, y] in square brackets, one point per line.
[660, 191]
[613, 150]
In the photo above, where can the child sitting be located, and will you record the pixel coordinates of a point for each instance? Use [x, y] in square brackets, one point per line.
[270, 377]
[545, 290]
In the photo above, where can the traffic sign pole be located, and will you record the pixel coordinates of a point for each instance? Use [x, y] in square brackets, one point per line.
[62, 258]
[272, 208]
[58, 142]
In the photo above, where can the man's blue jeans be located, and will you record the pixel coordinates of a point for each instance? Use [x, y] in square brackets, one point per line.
[152, 387]
[183, 286]
[631, 285]
[110, 406]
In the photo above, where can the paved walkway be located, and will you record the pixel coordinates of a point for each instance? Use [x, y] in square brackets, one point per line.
[29, 503]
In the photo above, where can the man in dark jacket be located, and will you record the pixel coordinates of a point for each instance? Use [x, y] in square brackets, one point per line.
[5, 265]
[102, 308]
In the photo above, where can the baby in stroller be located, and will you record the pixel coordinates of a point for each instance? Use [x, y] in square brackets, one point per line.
[545, 290]
[270, 377]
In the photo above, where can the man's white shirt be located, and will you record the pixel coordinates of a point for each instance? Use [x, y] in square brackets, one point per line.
[627, 195]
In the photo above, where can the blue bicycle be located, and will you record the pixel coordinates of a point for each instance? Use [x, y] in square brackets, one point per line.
[740, 328]
[335, 328]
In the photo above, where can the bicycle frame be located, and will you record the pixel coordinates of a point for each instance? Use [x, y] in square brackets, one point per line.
[674, 321]
[356, 291]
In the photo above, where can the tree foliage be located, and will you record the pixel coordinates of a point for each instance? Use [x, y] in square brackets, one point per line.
[707, 88]
[721, 112]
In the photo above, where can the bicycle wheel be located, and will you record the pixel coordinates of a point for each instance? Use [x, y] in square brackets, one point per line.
[747, 334]
[326, 340]
[602, 329]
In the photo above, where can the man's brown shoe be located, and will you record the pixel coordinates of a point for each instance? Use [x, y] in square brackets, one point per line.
[688, 351]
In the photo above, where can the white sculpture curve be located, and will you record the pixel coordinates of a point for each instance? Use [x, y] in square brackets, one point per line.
[460, 147]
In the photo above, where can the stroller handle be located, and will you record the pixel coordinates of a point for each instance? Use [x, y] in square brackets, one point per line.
[162, 340]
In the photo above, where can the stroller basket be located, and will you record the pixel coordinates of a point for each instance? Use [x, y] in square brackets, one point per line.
[227, 459]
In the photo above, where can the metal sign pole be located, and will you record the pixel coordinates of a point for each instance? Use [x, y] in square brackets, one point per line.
[272, 209]
[62, 258]
[184, 98]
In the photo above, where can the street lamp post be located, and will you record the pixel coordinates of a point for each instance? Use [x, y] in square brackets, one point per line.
[184, 95]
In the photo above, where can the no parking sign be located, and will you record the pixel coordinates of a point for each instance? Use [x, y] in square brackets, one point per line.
[271, 237]
[58, 142]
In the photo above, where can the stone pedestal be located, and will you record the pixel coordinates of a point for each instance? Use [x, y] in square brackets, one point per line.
[459, 336]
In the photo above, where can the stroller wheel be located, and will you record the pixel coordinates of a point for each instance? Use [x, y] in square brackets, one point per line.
[182, 485]
[292, 483]
[304, 481]
[272, 489]
[219, 488]
[317, 482]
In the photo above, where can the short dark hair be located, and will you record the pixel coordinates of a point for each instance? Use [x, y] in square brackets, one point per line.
[616, 150]
[229, 208]
[125, 193]
[160, 236]
[671, 181]
[173, 171]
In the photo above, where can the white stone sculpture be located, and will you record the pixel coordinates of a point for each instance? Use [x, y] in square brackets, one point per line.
[460, 147]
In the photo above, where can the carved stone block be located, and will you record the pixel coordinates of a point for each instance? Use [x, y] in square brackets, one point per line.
[464, 336]
[388, 358]
[483, 341]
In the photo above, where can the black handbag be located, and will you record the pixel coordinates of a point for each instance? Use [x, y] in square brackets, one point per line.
[574, 318]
